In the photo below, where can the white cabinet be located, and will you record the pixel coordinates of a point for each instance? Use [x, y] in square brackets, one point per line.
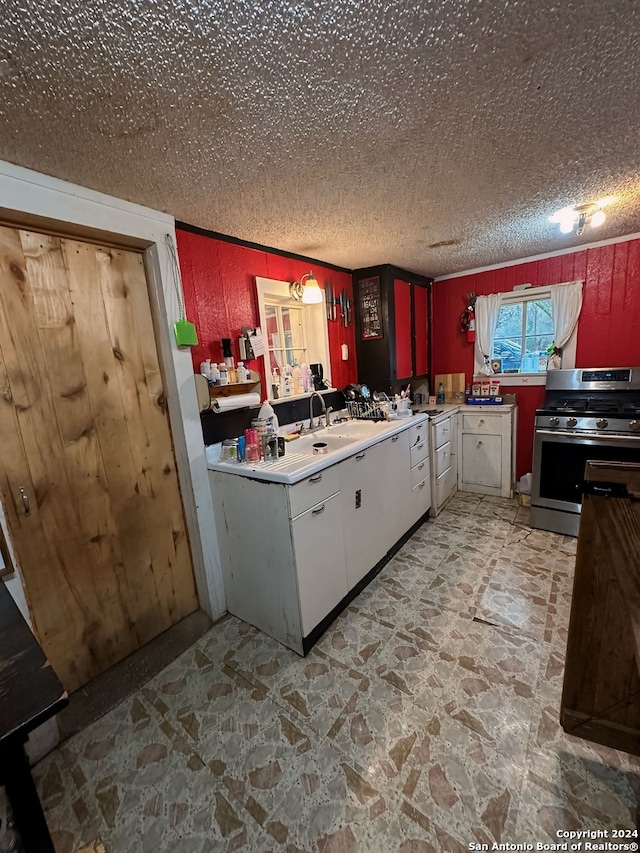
[443, 460]
[291, 553]
[362, 511]
[486, 452]
[420, 480]
[319, 560]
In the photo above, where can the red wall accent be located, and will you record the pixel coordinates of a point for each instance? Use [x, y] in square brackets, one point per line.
[609, 326]
[218, 279]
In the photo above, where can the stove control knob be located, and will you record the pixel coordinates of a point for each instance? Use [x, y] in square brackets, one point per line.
[553, 421]
[571, 422]
[601, 423]
[635, 425]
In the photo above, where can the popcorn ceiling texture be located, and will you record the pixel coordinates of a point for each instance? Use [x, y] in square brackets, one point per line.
[438, 136]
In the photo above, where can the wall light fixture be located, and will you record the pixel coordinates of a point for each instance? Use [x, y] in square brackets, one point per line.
[308, 291]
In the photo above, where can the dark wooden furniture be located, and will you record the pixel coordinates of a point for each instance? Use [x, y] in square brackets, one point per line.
[601, 688]
[30, 694]
[393, 326]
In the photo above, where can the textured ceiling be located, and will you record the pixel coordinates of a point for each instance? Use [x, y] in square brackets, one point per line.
[438, 136]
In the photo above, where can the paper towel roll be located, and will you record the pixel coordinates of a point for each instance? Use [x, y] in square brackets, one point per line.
[238, 401]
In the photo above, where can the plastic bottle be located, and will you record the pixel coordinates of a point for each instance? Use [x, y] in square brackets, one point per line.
[307, 382]
[214, 374]
[296, 377]
[440, 394]
[467, 392]
[287, 382]
[241, 372]
[275, 383]
[224, 376]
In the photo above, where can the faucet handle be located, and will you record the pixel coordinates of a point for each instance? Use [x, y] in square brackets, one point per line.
[327, 419]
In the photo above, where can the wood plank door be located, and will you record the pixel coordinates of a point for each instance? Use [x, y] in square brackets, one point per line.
[87, 472]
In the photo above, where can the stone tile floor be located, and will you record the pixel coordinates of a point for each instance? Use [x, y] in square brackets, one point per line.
[426, 719]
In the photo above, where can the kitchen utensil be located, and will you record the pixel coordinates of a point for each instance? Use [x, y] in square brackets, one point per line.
[343, 307]
[328, 293]
[348, 323]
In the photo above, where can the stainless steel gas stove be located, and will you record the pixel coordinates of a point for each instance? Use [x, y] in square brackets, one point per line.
[591, 413]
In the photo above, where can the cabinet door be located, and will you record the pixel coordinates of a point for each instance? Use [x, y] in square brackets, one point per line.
[482, 461]
[420, 326]
[361, 502]
[404, 348]
[320, 561]
[395, 486]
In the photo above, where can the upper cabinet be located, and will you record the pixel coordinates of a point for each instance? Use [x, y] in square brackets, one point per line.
[392, 317]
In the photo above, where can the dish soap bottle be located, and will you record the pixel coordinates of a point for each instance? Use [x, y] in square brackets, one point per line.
[440, 394]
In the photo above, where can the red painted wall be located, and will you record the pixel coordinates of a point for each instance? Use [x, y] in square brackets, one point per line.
[608, 330]
[218, 279]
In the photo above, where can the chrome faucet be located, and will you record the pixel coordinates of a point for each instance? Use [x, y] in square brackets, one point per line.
[324, 411]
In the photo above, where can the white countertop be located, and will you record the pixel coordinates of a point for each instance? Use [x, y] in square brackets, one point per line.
[446, 409]
[296, 465]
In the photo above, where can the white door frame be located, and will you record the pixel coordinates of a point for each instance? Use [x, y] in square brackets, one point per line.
[32, 200]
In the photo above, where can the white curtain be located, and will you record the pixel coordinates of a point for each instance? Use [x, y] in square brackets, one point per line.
[566, 302]
[487, 309]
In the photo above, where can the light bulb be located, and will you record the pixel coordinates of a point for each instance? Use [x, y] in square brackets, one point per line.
[566, 224]
[598, 218]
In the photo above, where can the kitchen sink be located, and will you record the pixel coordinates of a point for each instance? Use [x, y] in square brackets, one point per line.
[355, 428]
[322, 441]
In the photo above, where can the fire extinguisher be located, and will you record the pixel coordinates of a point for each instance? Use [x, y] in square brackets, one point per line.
[471, 331]
[468, 319]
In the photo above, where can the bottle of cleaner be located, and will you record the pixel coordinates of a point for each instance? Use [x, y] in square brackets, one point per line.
[241, 372]
[296, 377]
[440, 394]
[275, 383]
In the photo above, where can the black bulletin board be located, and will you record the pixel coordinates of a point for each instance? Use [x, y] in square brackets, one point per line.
[370, 308]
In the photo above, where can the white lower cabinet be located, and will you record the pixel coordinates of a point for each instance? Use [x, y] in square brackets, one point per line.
[361, 502]
[320, 561]
[444, 477]
[290, 554]
[486, 452]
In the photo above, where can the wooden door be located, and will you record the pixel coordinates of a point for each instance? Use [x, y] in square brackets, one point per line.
[87, 472]
[420, 323]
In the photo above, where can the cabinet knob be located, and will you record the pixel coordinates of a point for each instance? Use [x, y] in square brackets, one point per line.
[395, 438]
[421, 486]
[360, 455]
[479, 444]
[421, 466]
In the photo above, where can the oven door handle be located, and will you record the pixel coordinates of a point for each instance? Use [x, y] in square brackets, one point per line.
[601, 436]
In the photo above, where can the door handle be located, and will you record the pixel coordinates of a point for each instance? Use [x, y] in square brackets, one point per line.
[25, 502]
[318, 510]
[395, 438]
[360, 456]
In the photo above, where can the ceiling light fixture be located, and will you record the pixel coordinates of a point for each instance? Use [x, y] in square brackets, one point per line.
[576, 218]
[308, 291]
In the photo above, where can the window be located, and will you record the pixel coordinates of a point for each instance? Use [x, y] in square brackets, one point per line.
[286, 333]
[520, 326]
[523, 334]
[292, 331]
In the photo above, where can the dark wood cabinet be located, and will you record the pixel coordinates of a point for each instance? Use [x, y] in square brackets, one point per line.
[601, 687]
[393, 326]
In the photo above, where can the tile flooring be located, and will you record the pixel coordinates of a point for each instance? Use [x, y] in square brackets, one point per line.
[426, 719]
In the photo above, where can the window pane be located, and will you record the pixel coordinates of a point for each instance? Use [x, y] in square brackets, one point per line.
[273, 335]
[539, 320]
[509, 321]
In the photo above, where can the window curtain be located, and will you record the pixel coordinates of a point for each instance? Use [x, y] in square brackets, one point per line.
[487, 310]
[566, 304]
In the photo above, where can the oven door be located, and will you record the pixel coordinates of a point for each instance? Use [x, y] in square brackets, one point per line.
[559, 459]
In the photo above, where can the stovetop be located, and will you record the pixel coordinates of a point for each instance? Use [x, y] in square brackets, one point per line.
[592, 407]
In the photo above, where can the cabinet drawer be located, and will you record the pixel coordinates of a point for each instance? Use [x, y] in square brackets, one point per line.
[482, 423]
[444, 486]
[421, 494]
[314, 489]
[442, 458]
[441, 432]
[418, 433]
[419, 472]
[419, 452]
